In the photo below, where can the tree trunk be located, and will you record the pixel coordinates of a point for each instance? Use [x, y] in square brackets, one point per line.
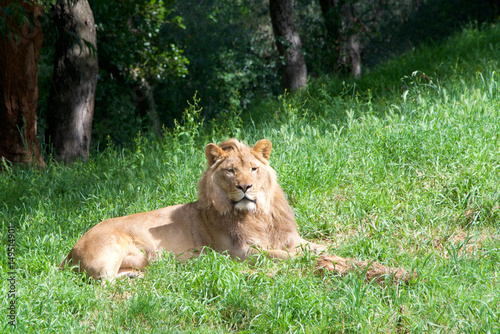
[294, 71]
[330, 10]
[355, 54]
[71, 101]
[19, 54]
[343, 35]
[352, 45]
[144, 96]
[148, 105]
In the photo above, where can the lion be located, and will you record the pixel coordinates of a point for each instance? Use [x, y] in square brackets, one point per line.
[241, 209]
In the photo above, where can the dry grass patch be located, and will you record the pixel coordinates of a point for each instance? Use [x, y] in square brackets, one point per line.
[372, 271]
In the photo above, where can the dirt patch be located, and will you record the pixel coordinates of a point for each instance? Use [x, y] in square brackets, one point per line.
[372, 270]
[466, 242]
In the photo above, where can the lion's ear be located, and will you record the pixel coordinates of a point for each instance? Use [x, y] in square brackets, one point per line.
[263, 147]
[213, 153]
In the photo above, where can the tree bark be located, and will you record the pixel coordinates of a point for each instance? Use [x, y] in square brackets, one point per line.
[355, 54]
[71, 101]
[352, 47]
[332, 17]
[19, 54]
[343, 36]
[144, 96]
[330, 10]
[148, 105]
[293, 65]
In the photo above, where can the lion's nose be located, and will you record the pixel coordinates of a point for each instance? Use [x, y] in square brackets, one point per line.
[244, 187]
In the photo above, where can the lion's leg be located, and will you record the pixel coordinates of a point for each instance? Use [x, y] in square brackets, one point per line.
[100, 269]
[129, 272]
[134, 261]
[299, 250]
[271, 253]
[102, 265]
[115, 265]
[280, 254]
[105, 267]
[302, 244]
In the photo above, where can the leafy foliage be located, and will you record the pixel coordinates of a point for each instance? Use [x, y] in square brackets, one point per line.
[131, 39]
[132, 47]
[224, 50]
[230, 48]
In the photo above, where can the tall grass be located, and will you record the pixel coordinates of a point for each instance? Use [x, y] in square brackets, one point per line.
[401, 167]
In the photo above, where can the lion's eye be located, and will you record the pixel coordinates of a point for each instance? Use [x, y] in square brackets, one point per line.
[254, 169]
[230, 170]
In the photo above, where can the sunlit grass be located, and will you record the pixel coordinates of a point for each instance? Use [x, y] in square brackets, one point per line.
[400, 168]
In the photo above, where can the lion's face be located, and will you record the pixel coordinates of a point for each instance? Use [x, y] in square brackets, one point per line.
[238, 177]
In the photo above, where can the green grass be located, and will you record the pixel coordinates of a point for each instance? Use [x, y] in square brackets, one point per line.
[401, 167]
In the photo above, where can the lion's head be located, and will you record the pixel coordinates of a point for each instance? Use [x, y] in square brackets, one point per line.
[238, 178]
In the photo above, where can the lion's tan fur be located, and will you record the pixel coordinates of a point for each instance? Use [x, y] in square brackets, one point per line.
[241, 209]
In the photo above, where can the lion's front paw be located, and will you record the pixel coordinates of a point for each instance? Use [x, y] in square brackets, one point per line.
[317, 249]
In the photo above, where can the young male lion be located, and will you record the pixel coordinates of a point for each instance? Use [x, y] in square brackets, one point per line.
[241, 209]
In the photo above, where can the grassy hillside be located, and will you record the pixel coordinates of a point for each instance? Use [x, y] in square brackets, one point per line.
[402, 167]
